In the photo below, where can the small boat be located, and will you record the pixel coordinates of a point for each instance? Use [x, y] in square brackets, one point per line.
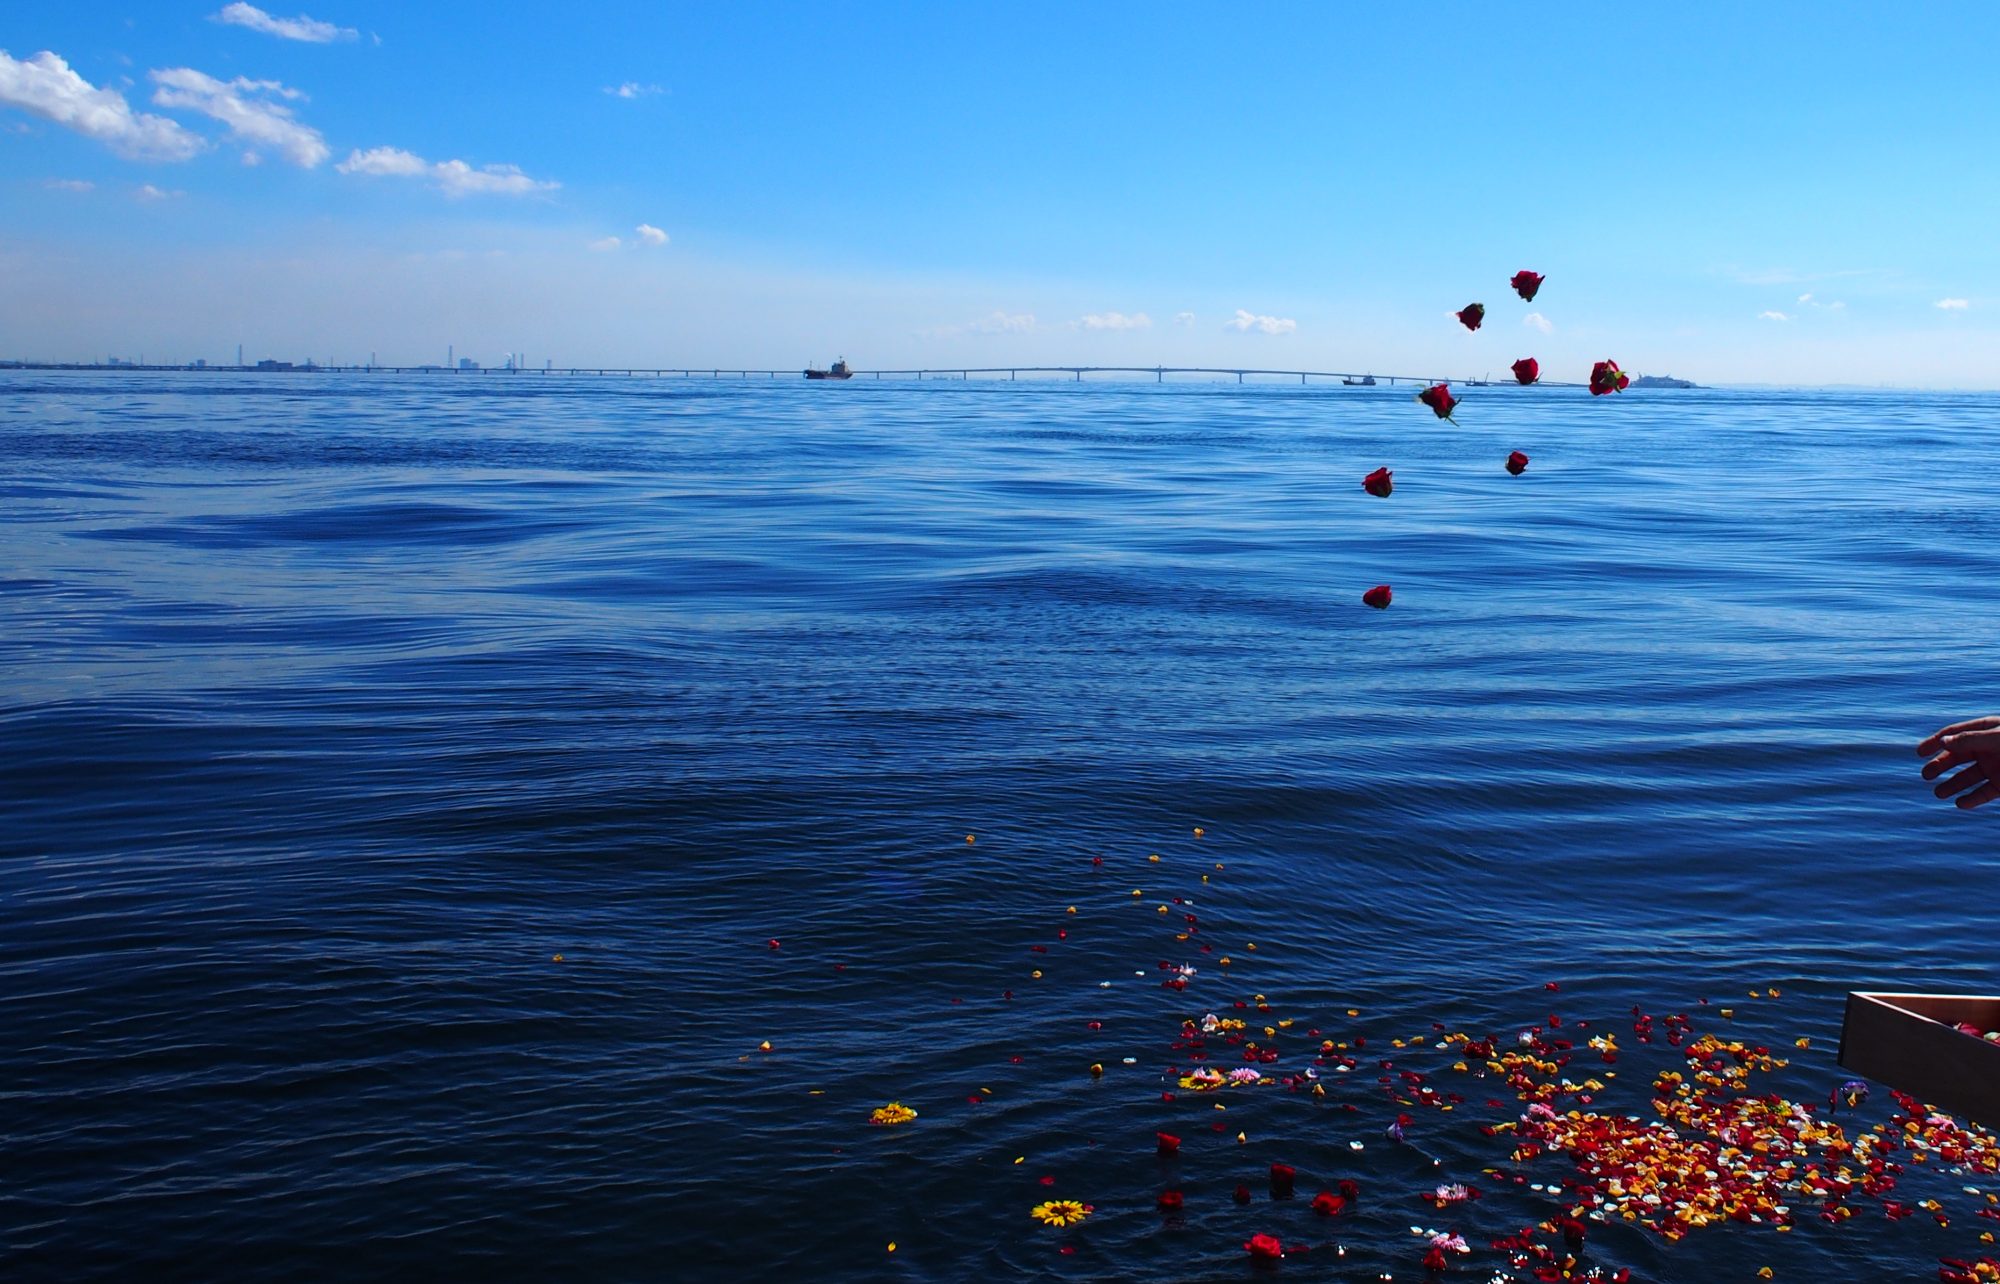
[1365, 381]
[839, 371]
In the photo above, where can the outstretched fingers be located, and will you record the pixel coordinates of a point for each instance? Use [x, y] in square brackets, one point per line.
[1932, 743]
[1964, 780]
[1986, 793]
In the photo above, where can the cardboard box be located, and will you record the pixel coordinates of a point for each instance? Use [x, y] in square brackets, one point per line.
[1910, 1042]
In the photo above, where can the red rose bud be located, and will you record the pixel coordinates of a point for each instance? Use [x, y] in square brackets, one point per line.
[1527, 370]
[1438, 397]
[1605, 377]
[1378, 484]
[1169, 1144]
[1573, 1232]
[1350, 1189]
[1517, 463]
[1378, 597]
[1282, 1178]
[1471, 315]
[1242, 1195]
[1170, 1201]
[1328, 1203]
[1264, 1248]
[1525, 284]
[1435, 1260]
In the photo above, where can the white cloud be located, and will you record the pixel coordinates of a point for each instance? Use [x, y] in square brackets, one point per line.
[1114, 321]
[1183, 318]
[148, 192]
[1953, 305]
[632, 89]
[1805, 298]
[1244, 322]
[69, 185]
[244, 105]
[1534, 321]
[454, 178]
[650, 235]
[310, 30]
[1003, 323]
[1772, 316]
[46, 86]
[606, 244]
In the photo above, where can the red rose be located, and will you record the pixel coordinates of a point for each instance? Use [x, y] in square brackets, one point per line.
[1169, 1144]
[1435, 1260]
[1438, 397]
[1377, 597]
[1378, 484]
[1350, 1189]
[1242, 1195]
[1471, 315]
[1328, 1203]
[1264, 1248]
[1517, 463]
[1527, 370]
[1170, 1201]
[1526, 283]
[1573, 1232]
[1605, 377]
[1282, 1177]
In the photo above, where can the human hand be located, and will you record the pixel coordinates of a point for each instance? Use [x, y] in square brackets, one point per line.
[1973, 745]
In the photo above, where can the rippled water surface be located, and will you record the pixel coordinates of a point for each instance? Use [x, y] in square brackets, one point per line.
[334, 709]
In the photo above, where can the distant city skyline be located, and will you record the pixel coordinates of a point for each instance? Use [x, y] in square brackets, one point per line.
[1731, 195]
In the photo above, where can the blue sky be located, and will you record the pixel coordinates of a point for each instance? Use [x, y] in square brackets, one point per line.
[1768, 193]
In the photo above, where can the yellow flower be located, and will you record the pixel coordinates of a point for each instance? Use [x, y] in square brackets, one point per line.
[893, 1113]
[1059, 1212]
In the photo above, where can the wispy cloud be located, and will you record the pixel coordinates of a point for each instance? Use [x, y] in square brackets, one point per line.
[1245, 322]
[1953, 305]
[995, 322]
[1772, 316]
[650, 235]
[605, 245]
[1113, 321]
[1184, 318]
[69, 185]
[245, 106]
[147, 192]
[454, 178]
[633, 89]
[45, 85]
[1535, 321]
[310, 30]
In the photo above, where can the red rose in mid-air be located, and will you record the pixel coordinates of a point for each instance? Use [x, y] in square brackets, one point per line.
[1282, 1177]
[1378, 484]
[1264, 1248]
[1605, 377]
[1377, 597]
[1438, 397]
[1526, 283]
[1471, 315]
[1517, 463]
[1527, 370]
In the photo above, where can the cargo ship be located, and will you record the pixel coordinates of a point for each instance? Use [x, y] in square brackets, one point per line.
[839, 371]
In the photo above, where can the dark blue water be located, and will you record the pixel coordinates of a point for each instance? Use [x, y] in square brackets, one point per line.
[334, 709]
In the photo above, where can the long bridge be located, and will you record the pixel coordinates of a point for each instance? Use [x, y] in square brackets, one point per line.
[963, 373]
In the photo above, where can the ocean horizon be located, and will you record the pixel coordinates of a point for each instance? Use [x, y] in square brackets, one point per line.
[498, 827]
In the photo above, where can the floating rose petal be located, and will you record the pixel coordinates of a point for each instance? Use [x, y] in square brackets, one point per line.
[1328, 1203]
[1171, 1201]
[1169, 1144]
[1264, 1248]
[1242, 1195]
[1283, 1176]
[1526, 283]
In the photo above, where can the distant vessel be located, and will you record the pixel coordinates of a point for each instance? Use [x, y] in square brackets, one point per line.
[1365, 381]
[839, 371]
[1662, 381]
